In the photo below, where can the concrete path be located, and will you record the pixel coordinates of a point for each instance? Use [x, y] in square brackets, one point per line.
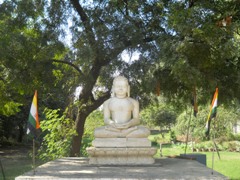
[164, 168]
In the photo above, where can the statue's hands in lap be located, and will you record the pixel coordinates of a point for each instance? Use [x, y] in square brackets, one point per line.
[120, 126]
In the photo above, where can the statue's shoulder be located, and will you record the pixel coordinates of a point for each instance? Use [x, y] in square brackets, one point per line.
[134, 101]
[107, 101]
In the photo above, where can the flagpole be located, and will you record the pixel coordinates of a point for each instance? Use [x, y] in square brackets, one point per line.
[213, 138]
[214, 144]
[212, 161]
[33, 126]
[3, 174]
[188, 131]
[33, 160]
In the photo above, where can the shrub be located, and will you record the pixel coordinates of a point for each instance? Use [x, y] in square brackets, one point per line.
[172, 135]
[58, 131]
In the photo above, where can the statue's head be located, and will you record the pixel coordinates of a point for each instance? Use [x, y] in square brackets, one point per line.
[121, 81]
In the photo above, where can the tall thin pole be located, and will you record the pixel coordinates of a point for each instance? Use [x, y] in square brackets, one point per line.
[188, 130]
[33, 159]
[3, 174]
[213, 138]
[213, 160]
[214, 143]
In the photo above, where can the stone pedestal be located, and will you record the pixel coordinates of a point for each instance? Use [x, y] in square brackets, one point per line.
[121, 142]
[121, 151]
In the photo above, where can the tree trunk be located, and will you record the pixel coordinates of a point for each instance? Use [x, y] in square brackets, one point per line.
[21, 133]
[82, 115]
[77, 139]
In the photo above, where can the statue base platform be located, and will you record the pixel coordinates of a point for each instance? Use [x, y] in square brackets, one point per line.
[121, 142]
[122, 156]
[120, 151]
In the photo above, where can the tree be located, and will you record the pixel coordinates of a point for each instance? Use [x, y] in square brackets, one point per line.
[197, 52]
[98, 44]
[159, 114]
[25, 49]
[221, 126]
[171, 37]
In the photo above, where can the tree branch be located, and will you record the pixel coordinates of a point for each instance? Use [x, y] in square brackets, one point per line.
[70, 64]
[139, 25]
[86, 23]
[100, 100]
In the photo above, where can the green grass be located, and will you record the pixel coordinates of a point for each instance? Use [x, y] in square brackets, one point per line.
[228, 164]
[15, 166]
[16, 161]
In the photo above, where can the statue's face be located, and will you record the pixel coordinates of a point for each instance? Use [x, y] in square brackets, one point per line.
[120, 88]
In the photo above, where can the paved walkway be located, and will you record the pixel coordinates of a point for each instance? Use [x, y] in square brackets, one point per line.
[164, 168]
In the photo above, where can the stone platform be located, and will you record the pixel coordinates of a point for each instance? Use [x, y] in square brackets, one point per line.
[163, 168]
[120, 151]
[121, 142]
[118, 156]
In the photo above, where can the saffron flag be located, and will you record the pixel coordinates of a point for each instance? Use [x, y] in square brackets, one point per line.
[213, 111]
[194, 102]
[33, 121]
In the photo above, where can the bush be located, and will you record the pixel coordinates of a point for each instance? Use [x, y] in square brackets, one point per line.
[172, 135]
[87, 142]
[237, 137]
[232, 145]
[58, 131]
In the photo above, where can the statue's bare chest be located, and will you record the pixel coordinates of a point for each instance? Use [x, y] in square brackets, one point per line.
[121, 105]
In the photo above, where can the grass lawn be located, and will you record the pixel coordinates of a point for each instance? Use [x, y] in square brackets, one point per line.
[228, 165]
[15, 166]
[15, 161]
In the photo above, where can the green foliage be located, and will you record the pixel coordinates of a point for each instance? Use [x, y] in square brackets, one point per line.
[26, 52]
[94, 120]
[169, 138]
[205, 146]
[197, 52]
[86, 142]
[158, 138]
[10, 108]
[159, 114]
[58, 130]
[221, 126]
[172, 135]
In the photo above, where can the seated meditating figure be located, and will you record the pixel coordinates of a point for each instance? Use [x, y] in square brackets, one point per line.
[121, 114]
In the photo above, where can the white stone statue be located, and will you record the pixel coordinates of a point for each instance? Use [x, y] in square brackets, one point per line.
[121, 114]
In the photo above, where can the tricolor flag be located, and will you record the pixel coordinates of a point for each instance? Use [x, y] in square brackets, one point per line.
[213, 111]
[33, 121]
